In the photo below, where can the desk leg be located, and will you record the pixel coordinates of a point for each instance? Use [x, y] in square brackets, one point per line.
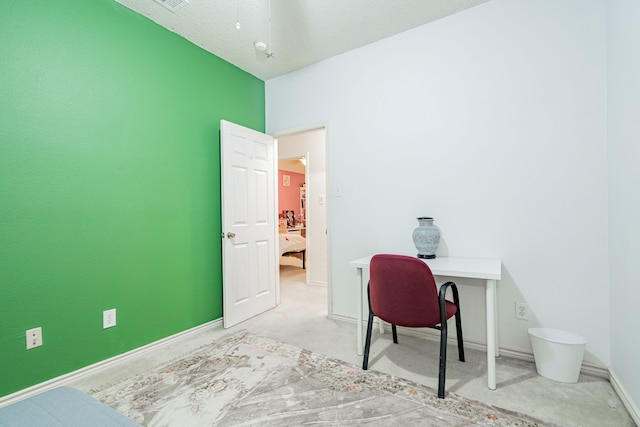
[360, 298]
[491, 333]
[496, 323]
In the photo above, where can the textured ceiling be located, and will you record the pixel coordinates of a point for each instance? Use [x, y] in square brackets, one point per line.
[302, 31]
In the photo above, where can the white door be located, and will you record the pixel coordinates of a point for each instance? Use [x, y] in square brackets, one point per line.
[248, 223]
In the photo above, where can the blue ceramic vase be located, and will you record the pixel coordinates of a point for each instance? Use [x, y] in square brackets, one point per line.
[426, 238]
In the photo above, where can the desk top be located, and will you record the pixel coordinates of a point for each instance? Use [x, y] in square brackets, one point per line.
[475, 268]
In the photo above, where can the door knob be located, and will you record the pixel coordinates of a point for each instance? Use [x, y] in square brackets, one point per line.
[231, 235]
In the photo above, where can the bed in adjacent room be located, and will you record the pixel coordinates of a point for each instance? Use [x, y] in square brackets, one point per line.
[291, 244]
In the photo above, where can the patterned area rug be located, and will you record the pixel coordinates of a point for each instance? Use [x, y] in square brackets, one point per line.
[246, 380]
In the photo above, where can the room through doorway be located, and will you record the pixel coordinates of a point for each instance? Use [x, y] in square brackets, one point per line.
[302, 208]
[292, 215]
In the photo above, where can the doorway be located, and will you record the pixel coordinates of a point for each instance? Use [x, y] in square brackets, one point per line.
[292, 213]
[304, 153]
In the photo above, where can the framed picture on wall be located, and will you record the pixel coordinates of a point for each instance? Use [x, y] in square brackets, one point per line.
[286, 180]
[291, 218]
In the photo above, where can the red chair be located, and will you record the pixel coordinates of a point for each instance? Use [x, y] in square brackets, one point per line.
[402, 291]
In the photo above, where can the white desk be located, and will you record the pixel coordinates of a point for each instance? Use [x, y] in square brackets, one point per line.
[474, 268]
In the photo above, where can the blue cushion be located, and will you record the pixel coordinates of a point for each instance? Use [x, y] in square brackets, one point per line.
[62, 406]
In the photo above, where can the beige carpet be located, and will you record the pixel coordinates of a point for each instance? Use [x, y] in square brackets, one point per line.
[245, 380]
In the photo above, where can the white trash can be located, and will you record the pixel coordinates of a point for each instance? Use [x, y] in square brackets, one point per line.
[558, 354]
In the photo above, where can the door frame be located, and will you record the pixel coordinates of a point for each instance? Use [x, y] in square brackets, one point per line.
[304, 129]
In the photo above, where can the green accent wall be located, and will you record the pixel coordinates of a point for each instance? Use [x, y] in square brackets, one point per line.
[109, 182]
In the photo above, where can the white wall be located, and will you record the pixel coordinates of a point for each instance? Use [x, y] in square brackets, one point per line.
[312, 144]
[623, 69]
[493, 121]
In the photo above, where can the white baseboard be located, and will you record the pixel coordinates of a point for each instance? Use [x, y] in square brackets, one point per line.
[97, 367]
[624, 396]
[589, 368]
[429, 334]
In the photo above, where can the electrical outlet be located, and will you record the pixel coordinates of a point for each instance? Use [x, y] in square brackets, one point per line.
[522, 311]
[34, 338]
[109, 318]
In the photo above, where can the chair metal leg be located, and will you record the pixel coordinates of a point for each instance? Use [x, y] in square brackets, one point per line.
[459, 334]
[456, 301]
[443, 359]
[367, 344]
[395, 334]
[443, 332]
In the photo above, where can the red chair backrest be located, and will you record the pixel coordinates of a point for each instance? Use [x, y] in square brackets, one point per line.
[402, 291]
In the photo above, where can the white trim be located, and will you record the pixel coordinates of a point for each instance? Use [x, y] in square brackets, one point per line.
[587, 368]
[433, 335]
[624, 397]
[104, 364]
[429, 334]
